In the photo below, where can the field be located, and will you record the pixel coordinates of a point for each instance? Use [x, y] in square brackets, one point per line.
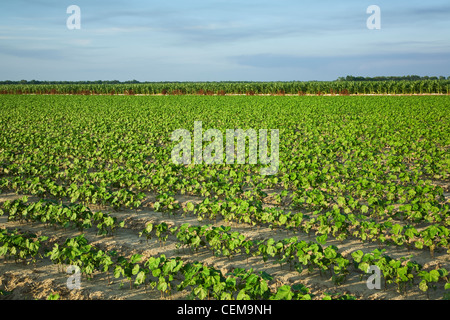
[363, 182]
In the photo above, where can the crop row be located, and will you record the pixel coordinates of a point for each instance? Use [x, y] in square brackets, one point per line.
[339, 225]
[87, 193]
[53, 213]
[166, 274]
[307, 255]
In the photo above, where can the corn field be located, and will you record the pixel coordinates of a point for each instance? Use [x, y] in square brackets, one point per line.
[228, 88]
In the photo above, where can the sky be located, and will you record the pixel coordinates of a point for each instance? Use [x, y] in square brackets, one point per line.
[222, 40]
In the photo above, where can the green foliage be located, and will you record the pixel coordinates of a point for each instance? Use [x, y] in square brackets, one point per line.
[21, 246]
[361, 168]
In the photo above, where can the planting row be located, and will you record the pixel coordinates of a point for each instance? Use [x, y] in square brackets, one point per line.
[334, 222]
[299, 254]
[164, 274]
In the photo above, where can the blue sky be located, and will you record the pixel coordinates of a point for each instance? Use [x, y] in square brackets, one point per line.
[226, 40]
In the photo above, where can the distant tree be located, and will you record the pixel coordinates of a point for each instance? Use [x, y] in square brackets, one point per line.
[391, 78]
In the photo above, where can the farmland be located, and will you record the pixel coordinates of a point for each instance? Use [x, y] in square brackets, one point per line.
[88, 180]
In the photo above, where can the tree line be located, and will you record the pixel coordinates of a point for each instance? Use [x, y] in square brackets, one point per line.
[392, 78]
[347, 78]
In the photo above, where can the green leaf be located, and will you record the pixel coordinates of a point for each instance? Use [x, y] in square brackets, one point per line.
[418, 244]
[53, 296]
[162, 284]
[190, 206]
[434, 275]
[397, 229]
[423, 285]
[283, 293]
[357, 255]
[118, 271]
[140, 278]
[135, 258]
[364, 267]
[264, 275]
[322, 239]
[135, 269]
[242, 295]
